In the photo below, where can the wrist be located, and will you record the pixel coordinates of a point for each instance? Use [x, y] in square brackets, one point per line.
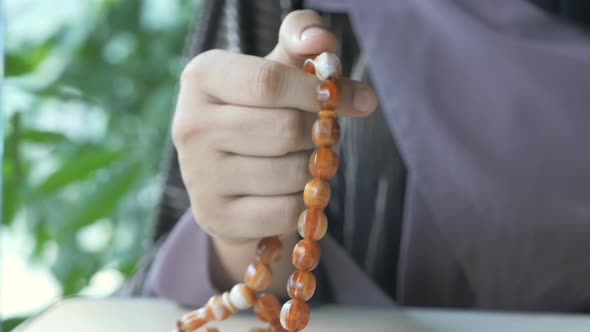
[228, 261]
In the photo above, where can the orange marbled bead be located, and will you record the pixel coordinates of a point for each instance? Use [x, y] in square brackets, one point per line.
[217, 309]
[227, 302]
[312, 224]
[212, 329]
[301, 285]
[257, 276]
[323, 163]
[316, 193]
[269, 249]
[294, 315]
[192, 320]
[306, 255]
[325, 132]
[327, 114]
[209, 312]
[328, 94]
[308, 66]
[267, 307]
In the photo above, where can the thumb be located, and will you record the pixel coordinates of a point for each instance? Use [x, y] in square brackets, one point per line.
[302, 34]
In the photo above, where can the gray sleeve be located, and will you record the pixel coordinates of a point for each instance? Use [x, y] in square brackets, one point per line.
[180, 271]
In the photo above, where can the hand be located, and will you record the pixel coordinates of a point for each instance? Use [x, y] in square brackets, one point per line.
[242, 130]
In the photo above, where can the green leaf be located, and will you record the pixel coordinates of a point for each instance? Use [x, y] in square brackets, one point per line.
[11, 202]
[128, 267]
[79, 168]
[42, 237]
[17, 65]
[64, 93]
[11, 323]
[11, 194]
[107, 197]
[26, 61]
[42, 136]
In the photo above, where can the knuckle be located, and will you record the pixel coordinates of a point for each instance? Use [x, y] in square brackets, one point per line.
[178, 131]
[291, 16]
[192, 69]
[197, 66]
[269, 81]
[184, 131]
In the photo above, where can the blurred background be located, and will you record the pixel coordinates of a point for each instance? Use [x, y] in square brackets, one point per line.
[87, 98]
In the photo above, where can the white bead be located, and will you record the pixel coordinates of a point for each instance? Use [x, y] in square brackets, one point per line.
[241, 297]
[227, 302]
[327, 65]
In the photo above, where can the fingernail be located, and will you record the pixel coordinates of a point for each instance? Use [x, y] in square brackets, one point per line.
[362, 100]
[310, 32]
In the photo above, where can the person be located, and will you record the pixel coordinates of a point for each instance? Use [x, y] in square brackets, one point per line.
[464, 178]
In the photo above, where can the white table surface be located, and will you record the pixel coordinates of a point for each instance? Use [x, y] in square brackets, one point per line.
[126, 315]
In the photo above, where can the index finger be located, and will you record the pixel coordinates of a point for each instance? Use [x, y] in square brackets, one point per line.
[256, 82]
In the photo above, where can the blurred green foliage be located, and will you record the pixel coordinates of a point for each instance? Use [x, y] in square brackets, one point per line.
[86, 112]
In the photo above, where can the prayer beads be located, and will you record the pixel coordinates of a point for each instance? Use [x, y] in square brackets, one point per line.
[269, 250]
[218, 309]
[301, 285]
[306, 255]
[257, 276]
[323, 163]
[267, 308]
[316, 193]
[328, 94]
[325, 132]
[327, 66]
[193, 320]
[295, 315]
[312, 225]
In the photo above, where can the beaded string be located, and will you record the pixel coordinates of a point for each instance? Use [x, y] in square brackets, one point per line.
[312, 226]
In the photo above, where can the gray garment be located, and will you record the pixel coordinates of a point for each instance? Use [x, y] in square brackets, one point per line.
[488, 102]
[180, 270]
